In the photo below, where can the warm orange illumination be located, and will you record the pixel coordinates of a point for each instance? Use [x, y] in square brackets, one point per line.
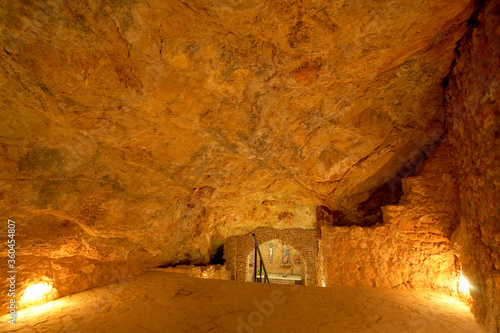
[463, 285]
[37, 293]
[31, 312]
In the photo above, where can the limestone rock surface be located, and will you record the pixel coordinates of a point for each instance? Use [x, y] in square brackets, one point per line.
[473, 113]
[134, 134]
[411, 249]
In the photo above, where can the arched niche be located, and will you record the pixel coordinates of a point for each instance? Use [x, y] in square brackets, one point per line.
[284, 263]
[237, 250]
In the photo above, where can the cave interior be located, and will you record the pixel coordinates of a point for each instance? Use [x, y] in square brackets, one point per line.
[358, 140]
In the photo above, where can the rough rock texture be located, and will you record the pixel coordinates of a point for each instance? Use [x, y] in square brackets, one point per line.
[217, 272]
[136, 133]
[472, 103]
[411, 249]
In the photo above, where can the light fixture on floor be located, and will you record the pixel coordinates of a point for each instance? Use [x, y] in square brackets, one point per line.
[38, 293]
[463, 288]
[463, 284]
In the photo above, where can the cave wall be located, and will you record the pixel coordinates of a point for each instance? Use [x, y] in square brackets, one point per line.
[216, 272]
[138, 133]
[411, 249]
[472, 104]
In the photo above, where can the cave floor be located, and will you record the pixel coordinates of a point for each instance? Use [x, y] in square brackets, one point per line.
[157, 301]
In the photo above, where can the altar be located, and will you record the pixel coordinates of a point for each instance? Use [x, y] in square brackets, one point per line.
[284, 278]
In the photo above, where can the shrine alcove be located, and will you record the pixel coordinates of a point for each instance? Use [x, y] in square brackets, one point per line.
[284, 264]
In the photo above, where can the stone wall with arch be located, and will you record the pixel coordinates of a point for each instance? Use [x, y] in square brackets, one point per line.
[305, 241]
[296, 267]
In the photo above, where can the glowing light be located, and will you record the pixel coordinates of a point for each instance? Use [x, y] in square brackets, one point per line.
[463, 285]
[27, 314]
[37, 293]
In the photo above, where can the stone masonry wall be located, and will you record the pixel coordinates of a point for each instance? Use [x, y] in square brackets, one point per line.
[304, 241]
[410, 249]
[230, 253]
[472, 105]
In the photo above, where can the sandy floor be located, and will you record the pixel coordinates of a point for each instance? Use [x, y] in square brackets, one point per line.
[165, 302]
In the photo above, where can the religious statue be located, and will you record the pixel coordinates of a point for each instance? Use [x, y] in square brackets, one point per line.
[271, 246]
[285, 260]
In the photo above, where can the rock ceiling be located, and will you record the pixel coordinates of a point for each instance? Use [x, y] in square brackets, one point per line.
[161, 126]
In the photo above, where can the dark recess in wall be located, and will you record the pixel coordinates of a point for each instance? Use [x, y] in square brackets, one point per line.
[217, 256]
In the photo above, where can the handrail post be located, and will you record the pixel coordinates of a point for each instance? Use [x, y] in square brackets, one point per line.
[261, 263]
[260, 270]
[255, 264]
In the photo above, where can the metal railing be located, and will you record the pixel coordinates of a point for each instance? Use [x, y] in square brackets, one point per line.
[261, 264]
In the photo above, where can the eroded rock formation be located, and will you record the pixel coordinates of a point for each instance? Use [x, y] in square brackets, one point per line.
[411, 249]
[472, 104]
[135, 134]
